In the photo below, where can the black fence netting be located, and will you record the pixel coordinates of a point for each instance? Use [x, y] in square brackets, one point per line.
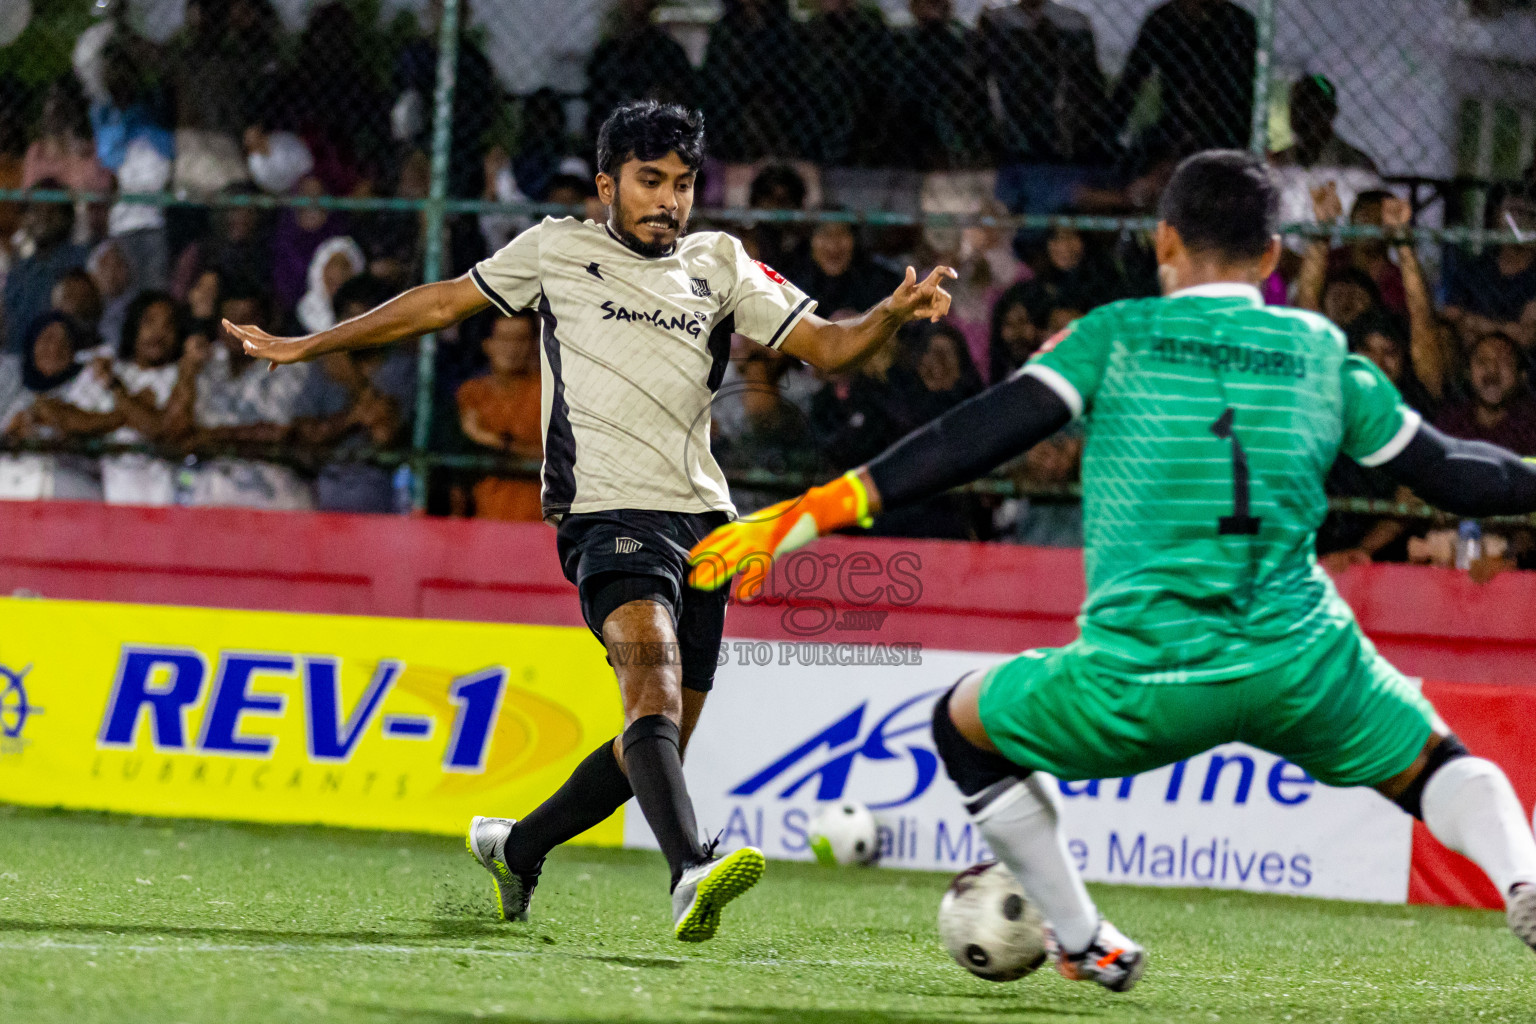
[174, 162]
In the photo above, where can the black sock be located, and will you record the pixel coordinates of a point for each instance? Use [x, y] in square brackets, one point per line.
[651, 753]
[596, 789]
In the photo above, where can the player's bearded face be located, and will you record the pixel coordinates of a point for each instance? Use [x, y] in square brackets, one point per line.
[651, 203]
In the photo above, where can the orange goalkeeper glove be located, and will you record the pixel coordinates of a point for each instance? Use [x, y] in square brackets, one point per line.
[777, 530]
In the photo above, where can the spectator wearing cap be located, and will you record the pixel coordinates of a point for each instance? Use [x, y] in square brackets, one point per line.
[1497, 290]
[1202, 53]
[1314, 109]
[29, 284]
[1500, 410]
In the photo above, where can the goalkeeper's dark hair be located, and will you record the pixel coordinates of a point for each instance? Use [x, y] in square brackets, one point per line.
[649, 130]
[1223, 203]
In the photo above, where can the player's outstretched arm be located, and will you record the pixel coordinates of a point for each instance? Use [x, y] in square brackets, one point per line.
[422, 310]
[972, 438]
[1465, 478]
[834, 346]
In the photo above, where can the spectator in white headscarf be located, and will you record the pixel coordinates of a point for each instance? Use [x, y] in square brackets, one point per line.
[337, 261]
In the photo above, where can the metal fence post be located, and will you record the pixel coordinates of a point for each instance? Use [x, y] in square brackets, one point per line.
[1258, 140]
[432, 258]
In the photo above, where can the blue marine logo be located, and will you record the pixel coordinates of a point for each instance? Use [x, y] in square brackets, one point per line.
[15, 709]
[899, 771]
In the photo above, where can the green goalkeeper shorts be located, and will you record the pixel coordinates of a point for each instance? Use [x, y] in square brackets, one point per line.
[1338, 710]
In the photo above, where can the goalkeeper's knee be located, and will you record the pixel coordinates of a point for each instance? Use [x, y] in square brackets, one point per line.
[976, 772]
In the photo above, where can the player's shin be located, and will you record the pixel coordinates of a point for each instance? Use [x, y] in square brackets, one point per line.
[1019, 820]
[654, 760]
[1469, 805]
[1016, 813]
[597, 788]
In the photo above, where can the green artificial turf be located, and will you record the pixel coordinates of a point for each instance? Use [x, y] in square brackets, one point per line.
[129, 919]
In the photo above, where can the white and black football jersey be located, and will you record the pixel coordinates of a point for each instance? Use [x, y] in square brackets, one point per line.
[634, 349]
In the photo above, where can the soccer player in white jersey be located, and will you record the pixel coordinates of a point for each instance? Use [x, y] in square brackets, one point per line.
[637, 323]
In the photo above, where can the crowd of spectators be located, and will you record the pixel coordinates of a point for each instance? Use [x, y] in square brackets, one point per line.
[111, 309]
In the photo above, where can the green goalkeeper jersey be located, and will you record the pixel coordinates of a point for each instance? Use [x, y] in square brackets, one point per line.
[1212, 423]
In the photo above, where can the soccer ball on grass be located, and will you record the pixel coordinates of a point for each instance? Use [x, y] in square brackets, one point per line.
[989, 926]
[845, 833]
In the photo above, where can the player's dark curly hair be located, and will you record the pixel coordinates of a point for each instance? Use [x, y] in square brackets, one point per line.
[649, 130]
[1223, 202]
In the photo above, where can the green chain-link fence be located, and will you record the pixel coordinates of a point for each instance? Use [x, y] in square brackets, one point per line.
[1012, 138]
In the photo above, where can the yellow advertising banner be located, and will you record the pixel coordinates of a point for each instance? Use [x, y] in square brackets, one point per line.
[261, 716]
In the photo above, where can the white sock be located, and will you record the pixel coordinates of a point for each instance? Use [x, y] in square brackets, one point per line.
[1470, 807]
[1022, 826]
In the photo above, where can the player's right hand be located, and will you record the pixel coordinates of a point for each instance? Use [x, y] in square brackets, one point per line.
[926, 299]
[753, 542]
[262, 345]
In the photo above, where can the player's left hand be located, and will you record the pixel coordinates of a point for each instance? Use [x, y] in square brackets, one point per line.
[927, 299]
[755, 541]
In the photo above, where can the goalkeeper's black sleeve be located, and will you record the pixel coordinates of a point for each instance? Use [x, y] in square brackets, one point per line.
[975, 436]
[1466, 478]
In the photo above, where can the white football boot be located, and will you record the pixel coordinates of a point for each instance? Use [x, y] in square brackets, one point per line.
[486, 841]
[705, 888]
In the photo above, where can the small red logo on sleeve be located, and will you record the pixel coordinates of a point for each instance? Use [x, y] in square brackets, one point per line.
[773, 275]
[1054, 340]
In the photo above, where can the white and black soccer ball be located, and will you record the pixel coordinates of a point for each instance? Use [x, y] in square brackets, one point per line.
[989, 926]
[844, 833]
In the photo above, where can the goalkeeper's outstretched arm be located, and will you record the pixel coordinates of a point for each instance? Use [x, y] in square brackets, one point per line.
[1465, 478]
[974, 437]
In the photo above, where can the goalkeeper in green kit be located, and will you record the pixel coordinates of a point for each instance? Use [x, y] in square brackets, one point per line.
[1213, 421]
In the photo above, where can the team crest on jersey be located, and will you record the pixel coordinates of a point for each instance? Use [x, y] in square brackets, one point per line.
[773, 275]
[700, 287]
